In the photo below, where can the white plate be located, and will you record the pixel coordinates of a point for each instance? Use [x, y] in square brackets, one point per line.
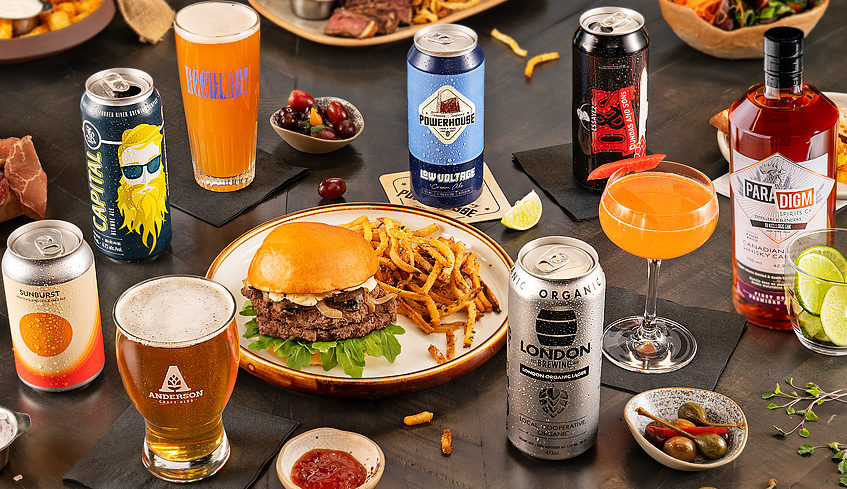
[840, 99]
[414, 369]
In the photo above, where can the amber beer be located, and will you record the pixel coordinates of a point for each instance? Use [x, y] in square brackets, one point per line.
[217, 48]
[177, 352]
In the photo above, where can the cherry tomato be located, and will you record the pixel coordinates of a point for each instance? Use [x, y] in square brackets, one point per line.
[336, 112]
[346, 129]
[332, 188]
[300, 100]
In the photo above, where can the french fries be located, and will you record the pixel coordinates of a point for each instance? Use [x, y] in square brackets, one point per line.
[420, 418]
[509, 42]
[530, 65]
[446, 442]
[63, 14]
[426, 11]
[433, 277]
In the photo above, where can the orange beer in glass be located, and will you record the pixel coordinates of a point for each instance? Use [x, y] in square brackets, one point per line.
[217, 48]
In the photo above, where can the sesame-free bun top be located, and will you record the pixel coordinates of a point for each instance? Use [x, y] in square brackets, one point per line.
[311, 258]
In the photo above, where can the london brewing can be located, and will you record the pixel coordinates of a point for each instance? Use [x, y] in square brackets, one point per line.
[609, 115]
[446, 88]
[557, 294]
[124, 135]
[54, 311]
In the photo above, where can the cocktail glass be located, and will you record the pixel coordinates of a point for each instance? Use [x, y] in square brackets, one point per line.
[657, 214]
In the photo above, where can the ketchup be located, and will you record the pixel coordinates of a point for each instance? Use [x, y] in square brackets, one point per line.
[328, 469]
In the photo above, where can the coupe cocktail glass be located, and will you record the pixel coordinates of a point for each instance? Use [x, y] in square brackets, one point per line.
[661, 213]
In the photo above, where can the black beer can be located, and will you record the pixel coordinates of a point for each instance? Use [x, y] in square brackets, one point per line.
[609, 89]
[124, 134]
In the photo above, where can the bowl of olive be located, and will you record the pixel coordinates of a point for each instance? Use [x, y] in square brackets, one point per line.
[687, 429]
[317, 125]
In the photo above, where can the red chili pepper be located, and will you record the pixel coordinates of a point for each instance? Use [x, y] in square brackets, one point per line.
[630, 164]
[691, 430]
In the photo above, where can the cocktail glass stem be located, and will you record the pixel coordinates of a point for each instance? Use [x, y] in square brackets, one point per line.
[650, 340]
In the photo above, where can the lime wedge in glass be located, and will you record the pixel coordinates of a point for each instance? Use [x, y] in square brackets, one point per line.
[811, 325]
[834, 315]
[830, 253]
[810, 290]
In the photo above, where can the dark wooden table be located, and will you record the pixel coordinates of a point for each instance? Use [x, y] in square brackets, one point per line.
[41, 98]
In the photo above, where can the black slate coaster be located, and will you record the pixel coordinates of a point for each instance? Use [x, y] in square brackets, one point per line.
[552, 170]
[115, 460]
[717, 334]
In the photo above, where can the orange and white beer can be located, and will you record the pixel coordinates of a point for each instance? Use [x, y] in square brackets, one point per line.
[54, 310]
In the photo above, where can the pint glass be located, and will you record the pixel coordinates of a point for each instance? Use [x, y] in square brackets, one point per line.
[217, 50]
[177, 352]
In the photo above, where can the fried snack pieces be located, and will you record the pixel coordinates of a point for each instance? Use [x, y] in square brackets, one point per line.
[63, 14]
[426, 11]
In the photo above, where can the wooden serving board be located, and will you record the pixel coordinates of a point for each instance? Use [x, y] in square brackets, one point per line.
[279, 12]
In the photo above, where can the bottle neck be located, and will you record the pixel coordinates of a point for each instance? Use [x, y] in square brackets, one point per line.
[776, 93]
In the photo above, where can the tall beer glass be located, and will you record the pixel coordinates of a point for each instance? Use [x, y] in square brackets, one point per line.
[177, 352]
[217, 49]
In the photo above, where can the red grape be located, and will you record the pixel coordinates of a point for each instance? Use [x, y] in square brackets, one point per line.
[332, 188]
[300, 100]
[336, 112]
[346, 129]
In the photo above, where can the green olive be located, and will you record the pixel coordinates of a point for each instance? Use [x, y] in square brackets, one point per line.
[680, 448]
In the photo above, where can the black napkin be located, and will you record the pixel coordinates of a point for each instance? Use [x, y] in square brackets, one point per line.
[552, 170]
[115, 460]
[716, 332]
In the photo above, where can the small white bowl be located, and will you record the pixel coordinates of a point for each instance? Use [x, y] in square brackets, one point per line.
[359, 446]
[313, 145]
[664, 403]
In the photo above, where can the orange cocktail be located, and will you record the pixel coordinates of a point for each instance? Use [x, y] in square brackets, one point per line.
[217, 46]
[658, 215]
[661, 213]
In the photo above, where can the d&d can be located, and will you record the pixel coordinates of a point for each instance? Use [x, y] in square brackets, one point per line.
[54, 310]
[446, 107]
[557, 295]
[123, 130]
[609, 117]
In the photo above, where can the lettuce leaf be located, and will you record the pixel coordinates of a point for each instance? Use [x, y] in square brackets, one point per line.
[350, 353]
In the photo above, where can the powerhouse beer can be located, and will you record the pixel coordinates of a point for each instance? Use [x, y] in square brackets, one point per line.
[557, 294]
[124, 135]
[609, 116]
[54, 311]
[446, 88]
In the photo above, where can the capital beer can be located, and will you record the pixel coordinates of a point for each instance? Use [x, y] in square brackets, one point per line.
[557, 294]
[446, 106]
[609, 116]
[54, 310]
[124, 134]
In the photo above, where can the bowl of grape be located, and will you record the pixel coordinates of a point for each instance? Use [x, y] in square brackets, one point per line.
[687, 429]
[816, 289]
[317, 125]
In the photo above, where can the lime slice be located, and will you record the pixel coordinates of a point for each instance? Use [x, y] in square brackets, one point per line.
[830, 253]
[525, 213]
[810, 290]
[834, 315]
[810, 325]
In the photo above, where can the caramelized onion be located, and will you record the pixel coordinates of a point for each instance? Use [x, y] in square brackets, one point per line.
[384, 299]
[371, 306]
[328, 311]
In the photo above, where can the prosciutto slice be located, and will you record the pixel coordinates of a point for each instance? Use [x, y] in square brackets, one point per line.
[22, 173]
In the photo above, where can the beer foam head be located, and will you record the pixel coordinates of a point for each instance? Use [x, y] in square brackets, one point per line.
[216, 22]
[175, 311]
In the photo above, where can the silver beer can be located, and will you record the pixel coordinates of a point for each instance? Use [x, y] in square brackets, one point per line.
[557, 295]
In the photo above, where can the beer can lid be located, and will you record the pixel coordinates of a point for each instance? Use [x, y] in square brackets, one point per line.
[45, 243]
[119, 86]
[557, 260]
[611, 21]
[445, 40]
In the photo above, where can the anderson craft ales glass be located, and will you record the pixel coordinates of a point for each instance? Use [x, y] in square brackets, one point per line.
[783, 139]
[217, 49]
[177, 352]
[557, 295]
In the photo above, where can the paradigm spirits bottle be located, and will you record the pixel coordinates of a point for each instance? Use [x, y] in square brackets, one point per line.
[783, 157]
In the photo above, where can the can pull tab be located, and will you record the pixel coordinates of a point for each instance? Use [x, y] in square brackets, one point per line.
[440, 38]
[115, 82]
[552, 260]
[613, 21]
[50, 243]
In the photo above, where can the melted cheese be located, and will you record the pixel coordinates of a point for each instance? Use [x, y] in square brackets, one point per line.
[312, 299]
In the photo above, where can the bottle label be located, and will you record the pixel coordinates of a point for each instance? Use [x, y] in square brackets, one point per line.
[773, 200]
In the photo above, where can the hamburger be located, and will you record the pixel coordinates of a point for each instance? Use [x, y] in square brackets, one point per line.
[312, 289]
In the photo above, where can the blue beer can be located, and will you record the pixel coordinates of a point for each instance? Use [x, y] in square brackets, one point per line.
[446, 91]
[124, 134]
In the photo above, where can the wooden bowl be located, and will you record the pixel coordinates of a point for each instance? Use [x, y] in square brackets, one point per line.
[359, 446]
[313, 145]
[743, 43]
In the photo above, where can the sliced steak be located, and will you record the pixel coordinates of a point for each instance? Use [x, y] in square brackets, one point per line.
[385, 18]
[347, 23]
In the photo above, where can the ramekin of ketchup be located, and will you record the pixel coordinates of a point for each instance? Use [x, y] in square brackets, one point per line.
[327, 458]
[328, 469]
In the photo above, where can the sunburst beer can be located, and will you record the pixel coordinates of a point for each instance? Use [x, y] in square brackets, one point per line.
[124, 134]
[557, 295]
[53, 305]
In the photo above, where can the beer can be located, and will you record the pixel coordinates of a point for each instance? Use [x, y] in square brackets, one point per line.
[557, 295]
[446, 89]
[54, 310]
[609, 117]
[124, 135]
